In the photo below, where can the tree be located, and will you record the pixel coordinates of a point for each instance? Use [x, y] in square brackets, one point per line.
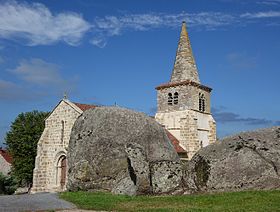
[22, 141]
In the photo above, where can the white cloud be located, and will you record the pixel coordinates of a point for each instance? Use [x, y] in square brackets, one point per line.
[38, 26]
[35, 24]
[37, 71]
[269, 2]
[35, 79]
[99, 42]
[109, 26]
[115, 25]
[10, 91]
[242, 61]
[267, 14]
[1, 60]
[44, 76]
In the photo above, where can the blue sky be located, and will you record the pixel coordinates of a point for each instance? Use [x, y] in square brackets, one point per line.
[103, 52]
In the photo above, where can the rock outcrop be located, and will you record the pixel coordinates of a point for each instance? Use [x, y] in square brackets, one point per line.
[121, 151]
[249, 160]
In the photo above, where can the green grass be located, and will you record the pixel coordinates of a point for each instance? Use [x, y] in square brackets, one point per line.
[233, 201]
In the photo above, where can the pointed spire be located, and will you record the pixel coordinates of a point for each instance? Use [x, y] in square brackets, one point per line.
[184, 66]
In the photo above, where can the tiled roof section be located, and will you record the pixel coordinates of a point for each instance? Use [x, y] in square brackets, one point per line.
[187, 82]
[6, 155]
[175, 143]
[84, 107]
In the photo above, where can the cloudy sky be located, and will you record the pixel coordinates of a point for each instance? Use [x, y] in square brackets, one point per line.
[107, 52]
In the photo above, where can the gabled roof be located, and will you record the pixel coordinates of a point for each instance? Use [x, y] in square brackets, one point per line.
[84, 107]
[80, 108]
[175, 143]
[6, 155]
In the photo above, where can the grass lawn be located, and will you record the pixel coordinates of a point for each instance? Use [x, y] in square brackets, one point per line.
[234, 201]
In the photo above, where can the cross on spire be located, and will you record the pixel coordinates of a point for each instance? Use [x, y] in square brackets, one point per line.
[65, 95]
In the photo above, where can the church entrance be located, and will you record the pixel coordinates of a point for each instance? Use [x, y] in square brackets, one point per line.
[61, 172]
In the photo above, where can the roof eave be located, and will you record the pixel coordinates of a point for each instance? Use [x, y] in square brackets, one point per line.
[187, 82]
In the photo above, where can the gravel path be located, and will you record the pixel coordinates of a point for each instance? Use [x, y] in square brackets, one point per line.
[33, 202]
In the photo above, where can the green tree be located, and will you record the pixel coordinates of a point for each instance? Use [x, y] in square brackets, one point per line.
[22, 141]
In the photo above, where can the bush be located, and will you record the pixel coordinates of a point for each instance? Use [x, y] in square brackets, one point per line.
[7, 184]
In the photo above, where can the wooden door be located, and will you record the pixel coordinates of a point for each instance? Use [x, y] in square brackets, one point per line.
[63, 172]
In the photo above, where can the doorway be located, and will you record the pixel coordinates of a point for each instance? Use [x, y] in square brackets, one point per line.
[61, 172]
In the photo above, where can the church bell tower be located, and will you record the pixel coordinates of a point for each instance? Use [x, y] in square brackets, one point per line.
[183, 104]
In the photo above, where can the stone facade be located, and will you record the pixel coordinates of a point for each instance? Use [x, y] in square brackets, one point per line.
[5, 162]
[50, 171]
[188, 98]
[183, 104]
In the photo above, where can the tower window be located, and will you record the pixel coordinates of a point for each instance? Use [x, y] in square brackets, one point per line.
[170, 99]
[202, 102]
[176, 95]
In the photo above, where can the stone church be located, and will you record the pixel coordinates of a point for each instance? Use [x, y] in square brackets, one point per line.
[183, 109]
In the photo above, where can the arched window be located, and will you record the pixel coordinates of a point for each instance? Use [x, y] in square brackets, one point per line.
[62, 131]
[170, 99]
[176, 95]
[201, 102]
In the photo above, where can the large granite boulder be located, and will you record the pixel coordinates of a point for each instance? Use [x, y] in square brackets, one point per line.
[121, 151]
[249, 160]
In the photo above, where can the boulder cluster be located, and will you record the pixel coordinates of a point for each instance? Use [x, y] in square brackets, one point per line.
[126, 152]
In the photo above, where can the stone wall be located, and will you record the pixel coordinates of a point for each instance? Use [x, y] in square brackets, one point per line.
[188, 126]
[188, 98]
[5, 167]
[52, 146]
[212, 133]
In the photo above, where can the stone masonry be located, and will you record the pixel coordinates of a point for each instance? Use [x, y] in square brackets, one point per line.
[184, 60]
[183, 104]
[5, 162]
[52, 147]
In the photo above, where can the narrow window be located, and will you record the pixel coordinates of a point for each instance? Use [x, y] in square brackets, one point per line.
[176, 95]
[201, 102]
[170, 99]
[62, 131]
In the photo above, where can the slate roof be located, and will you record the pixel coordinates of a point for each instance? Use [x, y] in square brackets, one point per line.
[6, 155]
